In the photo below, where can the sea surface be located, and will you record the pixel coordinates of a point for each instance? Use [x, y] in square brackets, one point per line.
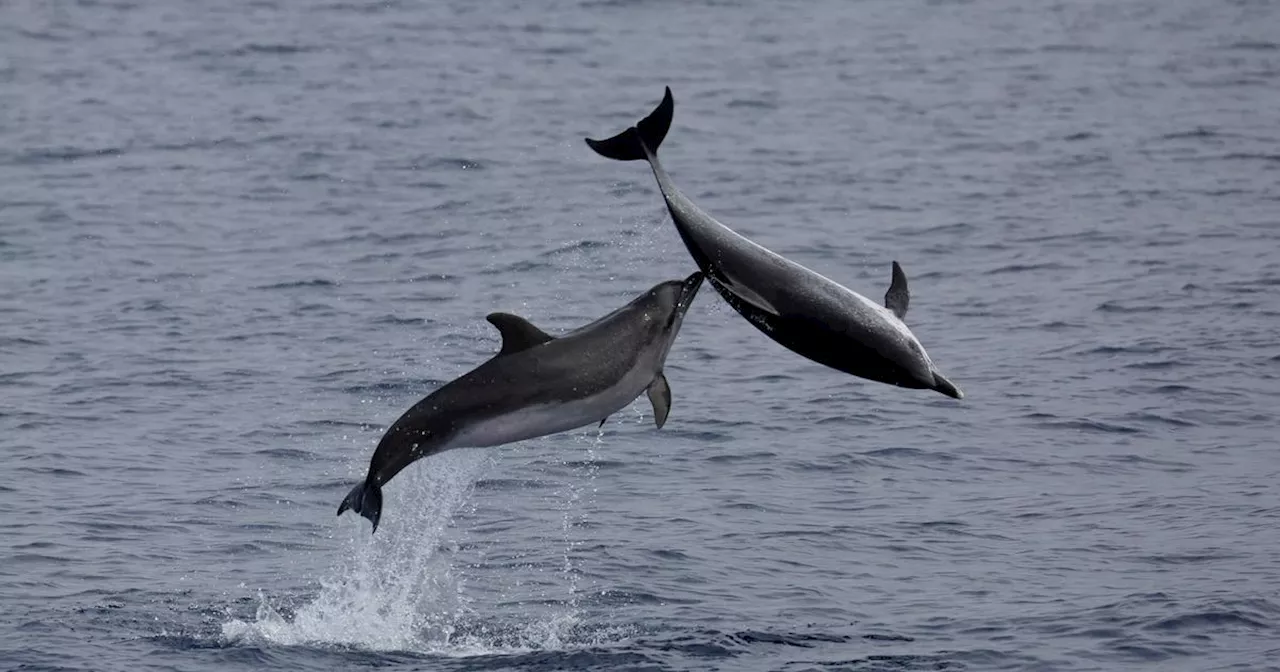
[239, 238]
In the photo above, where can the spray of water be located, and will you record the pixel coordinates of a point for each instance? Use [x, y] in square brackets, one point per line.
[575, 513]
[392, 590]
[398, 590]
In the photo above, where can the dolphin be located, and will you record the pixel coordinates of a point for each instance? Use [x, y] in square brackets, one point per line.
[538, 385]
[803, 311]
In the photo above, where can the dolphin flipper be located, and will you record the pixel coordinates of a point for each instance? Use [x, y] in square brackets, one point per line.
[660, 397]
[897, 298]
[744, 293]
[639, 141]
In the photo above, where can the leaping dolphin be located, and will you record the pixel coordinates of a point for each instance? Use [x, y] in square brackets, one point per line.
[800, 309]
[538, 385]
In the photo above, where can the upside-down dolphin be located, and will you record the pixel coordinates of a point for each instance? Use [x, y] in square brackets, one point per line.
[538, 385]
[800, 309]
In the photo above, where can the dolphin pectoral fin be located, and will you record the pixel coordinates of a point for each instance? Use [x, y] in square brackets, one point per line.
[660, 397]
[641, 141]
[897, 298]
[517, 333]
[743, 293]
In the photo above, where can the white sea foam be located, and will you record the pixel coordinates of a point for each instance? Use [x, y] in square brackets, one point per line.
[397, 592]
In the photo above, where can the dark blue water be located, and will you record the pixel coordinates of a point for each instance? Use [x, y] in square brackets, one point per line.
[237, 239]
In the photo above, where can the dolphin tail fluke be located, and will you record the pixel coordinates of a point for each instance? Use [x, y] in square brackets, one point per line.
[366, 500]
[941, 384]
[642, 140]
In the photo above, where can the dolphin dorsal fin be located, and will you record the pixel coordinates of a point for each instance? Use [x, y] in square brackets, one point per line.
[897, 298]
[517, 333]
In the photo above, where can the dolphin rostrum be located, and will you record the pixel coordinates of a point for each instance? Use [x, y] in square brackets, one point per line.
[800, 309]
[538, 385]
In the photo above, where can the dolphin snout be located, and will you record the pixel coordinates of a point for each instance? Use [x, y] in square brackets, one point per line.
[941, 384]
[689, 288]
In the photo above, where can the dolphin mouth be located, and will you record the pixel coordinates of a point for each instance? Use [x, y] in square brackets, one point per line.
[689, 289]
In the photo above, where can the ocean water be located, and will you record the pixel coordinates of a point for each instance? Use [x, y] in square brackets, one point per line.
[238, 239]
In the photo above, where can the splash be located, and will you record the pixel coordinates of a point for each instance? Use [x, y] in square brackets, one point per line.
[392, 590]
[453, 635]
[397, 590]
[575, 515]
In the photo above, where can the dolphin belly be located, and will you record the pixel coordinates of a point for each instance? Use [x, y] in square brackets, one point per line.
[549, 418]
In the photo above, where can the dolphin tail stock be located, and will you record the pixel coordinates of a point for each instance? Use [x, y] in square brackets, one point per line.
[366, 500]
[641, 141]
[941, 384]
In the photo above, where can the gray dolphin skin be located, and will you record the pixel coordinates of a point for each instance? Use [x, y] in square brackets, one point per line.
[800, 309]
[538, 385]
